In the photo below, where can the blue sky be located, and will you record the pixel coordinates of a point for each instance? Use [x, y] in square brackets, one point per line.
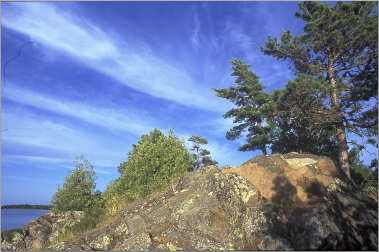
[99, 75]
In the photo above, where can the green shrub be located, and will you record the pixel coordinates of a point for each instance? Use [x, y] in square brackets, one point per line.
[151, 164]
[77, 192]
[362, 175]
[88, 222]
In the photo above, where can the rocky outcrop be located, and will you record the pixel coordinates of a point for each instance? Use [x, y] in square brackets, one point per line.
[41, 232]
[276, 202]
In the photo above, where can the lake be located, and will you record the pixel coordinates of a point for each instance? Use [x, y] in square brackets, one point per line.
[16, 218]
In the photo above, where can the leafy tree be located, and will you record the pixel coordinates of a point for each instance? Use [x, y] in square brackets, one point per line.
[252, 106]
[77, 192]
[151, 164]
[200, 155]
[339, 43]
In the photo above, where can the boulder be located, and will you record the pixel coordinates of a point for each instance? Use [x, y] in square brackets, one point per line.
[276, 202]
[41, 232]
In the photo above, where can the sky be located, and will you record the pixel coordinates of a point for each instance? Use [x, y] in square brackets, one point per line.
[98, 75]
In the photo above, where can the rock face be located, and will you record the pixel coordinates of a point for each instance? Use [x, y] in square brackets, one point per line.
[41, 232]
[276, 202]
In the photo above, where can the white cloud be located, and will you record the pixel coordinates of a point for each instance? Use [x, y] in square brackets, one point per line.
[239, 38]
[195, 38]
[48, 162]
[66, 142]
[54, 27]
[135, 122]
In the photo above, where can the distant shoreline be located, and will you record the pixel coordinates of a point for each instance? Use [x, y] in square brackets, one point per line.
[27, 206]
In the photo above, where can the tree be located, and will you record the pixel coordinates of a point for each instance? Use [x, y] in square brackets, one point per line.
[252, 104]
[362, 175]
[151, 164]
[200, 155]
[77, 192]
[340, 44]
[295, 118]
[302, 119]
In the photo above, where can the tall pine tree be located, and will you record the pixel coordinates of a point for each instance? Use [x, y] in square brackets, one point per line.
[340, 44]
[252, 103]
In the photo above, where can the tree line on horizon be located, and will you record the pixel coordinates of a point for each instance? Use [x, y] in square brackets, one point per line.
[26, 206]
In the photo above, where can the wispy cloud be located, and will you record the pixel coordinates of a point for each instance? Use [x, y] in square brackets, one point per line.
[67, 142]
[129, 64]
[195, 38]
[239, 38]
[113, 118]
[48, 162]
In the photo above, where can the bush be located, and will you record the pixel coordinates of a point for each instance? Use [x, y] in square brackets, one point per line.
[362, 175]
[77, 192]
[151, 164]
[88, 222]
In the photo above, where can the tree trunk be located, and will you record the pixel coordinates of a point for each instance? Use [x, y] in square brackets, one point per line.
[264, 151]
[341, 134]
[263, 146]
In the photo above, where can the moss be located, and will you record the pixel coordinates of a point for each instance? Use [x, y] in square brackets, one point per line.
[171, 247]
[122, 229]
[314, 169]
[106, 240]
[12, 234]
[185, 206]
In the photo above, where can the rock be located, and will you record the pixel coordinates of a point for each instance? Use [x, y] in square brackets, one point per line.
[305, 176]
[139, 241]
[41, 232]
[274, 202]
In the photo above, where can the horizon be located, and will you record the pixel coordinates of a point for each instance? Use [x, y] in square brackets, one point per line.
[99, 75]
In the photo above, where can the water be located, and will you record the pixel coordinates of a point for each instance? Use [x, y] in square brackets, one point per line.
[16, 218]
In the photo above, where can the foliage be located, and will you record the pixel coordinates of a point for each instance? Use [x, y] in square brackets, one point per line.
[200, 155]
[362, 175]
[113, 198]
[151, 164]
[340, 44]
[335, 60]
[302, 119]
[291, 119]
[88, 222]
[77, 192]
[252, 104]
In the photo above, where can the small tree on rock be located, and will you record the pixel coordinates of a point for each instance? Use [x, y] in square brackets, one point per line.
[200, 155]
[77, 192]
[151, 164]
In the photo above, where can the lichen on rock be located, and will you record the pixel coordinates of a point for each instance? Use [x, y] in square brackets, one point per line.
[276, 202]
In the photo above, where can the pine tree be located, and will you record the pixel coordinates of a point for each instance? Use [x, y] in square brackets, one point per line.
[302, 118]
[295, 118]
[252, 106]
[200, 155]
[340, 44]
